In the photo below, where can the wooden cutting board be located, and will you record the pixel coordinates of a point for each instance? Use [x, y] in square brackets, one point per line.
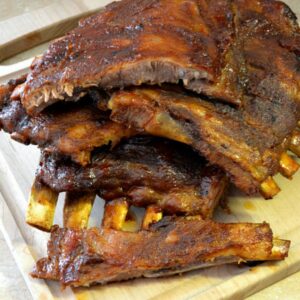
[17, 166]
[25, 24]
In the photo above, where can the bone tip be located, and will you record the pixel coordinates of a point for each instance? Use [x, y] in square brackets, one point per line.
[269, 188]
[152, 215]
[288, 166]
[41, 207]
[280, 249]
[40, 226]
[39, 216]
[295, 143]
[115, 214]
[77, 209]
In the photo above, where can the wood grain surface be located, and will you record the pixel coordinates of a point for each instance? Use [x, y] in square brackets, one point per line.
[25, 24]
[17, 165]
[12, 284]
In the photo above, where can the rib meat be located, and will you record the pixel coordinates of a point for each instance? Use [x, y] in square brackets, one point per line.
[266, 81]
[131, 42]
[7, 89]
[247, 146]
[72, 129]
[205, 44]
[93, 256]
[146, 171]
[219, 132]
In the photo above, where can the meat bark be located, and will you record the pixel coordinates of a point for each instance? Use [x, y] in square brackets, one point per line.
[222, 134]
[146, 171]
[93, 256]
[71, 129]
[204, 44]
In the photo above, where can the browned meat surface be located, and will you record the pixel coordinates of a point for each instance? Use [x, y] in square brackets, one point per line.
[146, 171]
[72, 129]
[267, 81]
[222, 134]
[7, 89]
[269, 40]
[208, 45]
[247, 146]
[86, 257]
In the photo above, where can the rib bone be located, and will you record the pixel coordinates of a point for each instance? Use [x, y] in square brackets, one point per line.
[295, 143]
[269, 188]
[288, 166]
[152, 215]
[77, 209]
[173, 245]
[41, 206]
[115, 213]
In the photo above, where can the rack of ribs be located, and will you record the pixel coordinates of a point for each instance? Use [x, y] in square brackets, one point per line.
[92, 256]
[159, 110]
[143, 171]
[209, 46]
[70, 129]
[249, 150]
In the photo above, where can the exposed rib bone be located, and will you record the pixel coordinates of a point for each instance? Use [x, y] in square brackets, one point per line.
[131, 223]
[269, 188]
[77, 209]
[41, 206]
[173, 245]
[295, 143]
[288, 166]
[279, 247]
[152, 215]
[115, 213]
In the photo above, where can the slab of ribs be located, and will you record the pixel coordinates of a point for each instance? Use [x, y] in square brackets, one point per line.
[159, 104]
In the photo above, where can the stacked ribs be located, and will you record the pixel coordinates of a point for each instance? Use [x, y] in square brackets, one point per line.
[159, 104]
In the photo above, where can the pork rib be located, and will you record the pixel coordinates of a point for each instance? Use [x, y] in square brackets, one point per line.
[247, 145]
[7, 89]
[220, 133]
[71, 129]
[198, 42]
[146, 171]
[93, 256]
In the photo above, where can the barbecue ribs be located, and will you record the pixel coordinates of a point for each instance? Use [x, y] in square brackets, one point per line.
[6, 90]
[248, 146]
[86, 257]
[145, 171]
[229, 45]
[205, 44]
[250, 150]
[72, 129]
[217, 77]
[133, 42]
